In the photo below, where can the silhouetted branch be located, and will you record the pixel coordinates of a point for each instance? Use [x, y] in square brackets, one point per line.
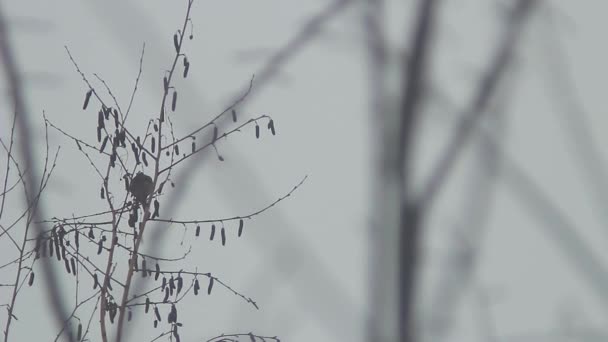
[212, 142]
[414, 76]
[9, 154]
[232, 218]
[251, 337]
[141, 61]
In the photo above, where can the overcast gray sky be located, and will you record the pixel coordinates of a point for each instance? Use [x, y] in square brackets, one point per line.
[305, 260]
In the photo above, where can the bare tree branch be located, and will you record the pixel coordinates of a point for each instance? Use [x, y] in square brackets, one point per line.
[413, 79]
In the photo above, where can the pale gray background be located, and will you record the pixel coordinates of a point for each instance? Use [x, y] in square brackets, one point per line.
[305, 261]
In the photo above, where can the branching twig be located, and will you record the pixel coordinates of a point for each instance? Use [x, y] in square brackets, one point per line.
[237, 336]
[141, 62]
[232, 218]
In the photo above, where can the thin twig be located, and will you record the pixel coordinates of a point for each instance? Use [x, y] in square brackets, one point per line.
[232, 218]
[212, 142]
[141, 62]
[142, 225]
[8, 164]
[237, 336]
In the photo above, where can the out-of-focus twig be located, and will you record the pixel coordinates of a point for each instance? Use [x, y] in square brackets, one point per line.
[487, 85]
[24, 140]
[569, 107]
[469, 121]
[461, 256]
[414, 76]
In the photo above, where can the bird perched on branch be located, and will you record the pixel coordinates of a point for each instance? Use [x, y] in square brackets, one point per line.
[141, 187]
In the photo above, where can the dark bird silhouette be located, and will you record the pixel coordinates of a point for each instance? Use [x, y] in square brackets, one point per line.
[141, 187]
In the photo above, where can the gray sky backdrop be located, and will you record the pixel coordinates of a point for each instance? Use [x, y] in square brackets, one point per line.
[305, 261]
